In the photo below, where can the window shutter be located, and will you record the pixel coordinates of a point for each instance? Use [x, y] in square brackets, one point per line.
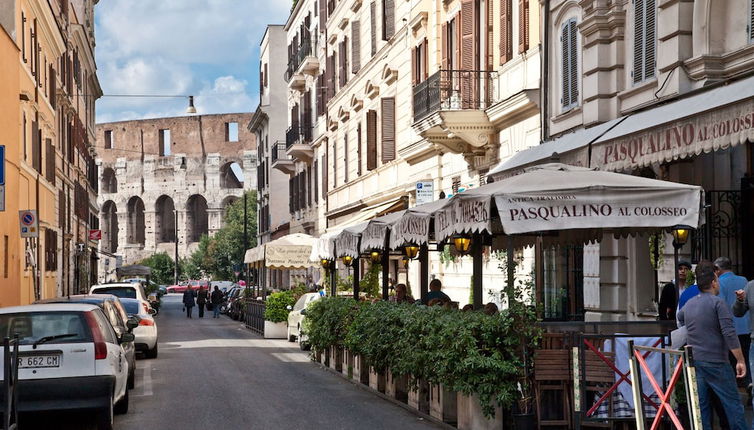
[388, 20]
[639, 17]
[309, 186]
[414, 67]
[50, 161]
[345, 158]
[468, 27]
[335, 164]
[751, 20]
[53, 86]
[505, 31]
[371, 140]
[356, 46]
[346, 68]
[341, 65]
[373, 26]
[425, 60]
[573, 59]
[649, 38]
[444, 47]
[325, 173]
[523, 25]
[315, 182]
[322, 15]
[388, 129]
[320, 95]
[358, 149]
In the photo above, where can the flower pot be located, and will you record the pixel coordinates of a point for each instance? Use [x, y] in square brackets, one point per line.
[470, 415]
[419, 398]
[376, 380]
[443, 404]
[275, 330]
[525, 421]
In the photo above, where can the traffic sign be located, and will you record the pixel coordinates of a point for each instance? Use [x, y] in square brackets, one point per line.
[95, 235]
[425, 192]
[29, 223]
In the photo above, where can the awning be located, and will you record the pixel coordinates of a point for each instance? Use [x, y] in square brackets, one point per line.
[375, 234]
[254, 255]
[347, 242]
[714, 119]
[292, 251]
[324, 246]
[571, 149]
[413, 225]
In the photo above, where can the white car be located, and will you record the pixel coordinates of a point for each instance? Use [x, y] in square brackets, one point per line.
[123, 290]
[296, 318]
[69, 359]
[146, 331]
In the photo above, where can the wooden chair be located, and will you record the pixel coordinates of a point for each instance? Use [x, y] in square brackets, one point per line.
[552, 374]
[598, 378]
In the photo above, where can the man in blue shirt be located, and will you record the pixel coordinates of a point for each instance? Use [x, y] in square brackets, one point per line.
[729, 284]
[434, 291]
[709, 322]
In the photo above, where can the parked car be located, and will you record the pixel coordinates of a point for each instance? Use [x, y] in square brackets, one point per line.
[146, 331]
[124, 290]
[182, 287]
[235, 304]
[70, 358]
[296, 319]
[117, 316]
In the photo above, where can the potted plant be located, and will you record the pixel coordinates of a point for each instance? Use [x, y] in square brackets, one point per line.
[524, 325]
[276, 314]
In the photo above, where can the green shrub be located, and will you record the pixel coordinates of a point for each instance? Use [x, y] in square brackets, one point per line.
[327, 321]
[276, 308]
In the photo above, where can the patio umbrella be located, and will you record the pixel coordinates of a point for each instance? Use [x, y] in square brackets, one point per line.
[292, 251]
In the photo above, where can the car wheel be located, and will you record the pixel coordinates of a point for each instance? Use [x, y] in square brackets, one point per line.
[131, 379]
[151, 353]
[122, 406]
[291, 338]
[105, 417]
[304, 346]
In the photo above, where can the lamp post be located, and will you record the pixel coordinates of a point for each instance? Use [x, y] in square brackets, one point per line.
[175, 227]
[680, 237]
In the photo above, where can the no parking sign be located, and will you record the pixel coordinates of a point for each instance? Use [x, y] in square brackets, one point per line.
[29, 223]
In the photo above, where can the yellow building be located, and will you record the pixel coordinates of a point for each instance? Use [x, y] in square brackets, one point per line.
[10, 120]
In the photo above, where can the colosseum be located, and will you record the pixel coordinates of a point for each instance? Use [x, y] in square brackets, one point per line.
[169, 179]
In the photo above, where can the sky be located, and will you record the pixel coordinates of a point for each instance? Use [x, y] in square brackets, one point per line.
[205, 48]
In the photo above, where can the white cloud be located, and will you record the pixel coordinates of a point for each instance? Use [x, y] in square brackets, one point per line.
[207, 48]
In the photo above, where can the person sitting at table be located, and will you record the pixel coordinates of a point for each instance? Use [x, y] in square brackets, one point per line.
[434, 291]
[468, 308]
[491, 309]
[401, 295]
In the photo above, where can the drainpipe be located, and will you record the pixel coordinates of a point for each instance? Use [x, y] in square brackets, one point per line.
[545, 84]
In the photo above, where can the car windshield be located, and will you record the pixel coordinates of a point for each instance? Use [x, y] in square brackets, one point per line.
[132, 308]
[122, 292]
[300, 303]
[32, 326]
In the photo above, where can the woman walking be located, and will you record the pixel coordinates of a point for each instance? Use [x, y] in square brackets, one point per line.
[188, 301]
[201, 300]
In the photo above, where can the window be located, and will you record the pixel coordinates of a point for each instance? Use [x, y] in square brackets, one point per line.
[523, 25]
[108, 139]
[164, 142]
[345, 158]
[358, 150]
[355, 46]
[568, 40]
[388, 129]
[23, 36]
[5, 256]
[456, 184]
[231, 132]
[751, 20]
[373, 27]
[506, 30]
[371, 140]
[51, 250]
[562, 283]
[644, 40]
[419, 62]
[388, 19]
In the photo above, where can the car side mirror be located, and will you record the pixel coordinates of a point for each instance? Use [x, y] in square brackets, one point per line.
[126, 337]
[132, 323]
[303, 311]
[152, 311]
[289, 307]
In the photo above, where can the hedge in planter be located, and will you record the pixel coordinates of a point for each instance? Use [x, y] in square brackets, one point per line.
[276, 306]
[327, 321]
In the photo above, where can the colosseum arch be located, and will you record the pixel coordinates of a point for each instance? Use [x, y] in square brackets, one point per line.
[109, 181]
[228, 178]
[164, 220]
[110, 227]
[136, 226]
[197, 219]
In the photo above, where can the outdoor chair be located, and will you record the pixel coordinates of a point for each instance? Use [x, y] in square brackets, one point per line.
[553, 381]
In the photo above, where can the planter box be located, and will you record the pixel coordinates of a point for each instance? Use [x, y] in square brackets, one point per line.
[419, 398]
[275, 330]
[470, 415]
[443, 404]
[360, 370]
[397, 387]
[376, 380]
[323, 357]
[336, 359]
[347, 366]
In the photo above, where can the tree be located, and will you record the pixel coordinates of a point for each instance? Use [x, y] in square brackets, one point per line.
[162, 267]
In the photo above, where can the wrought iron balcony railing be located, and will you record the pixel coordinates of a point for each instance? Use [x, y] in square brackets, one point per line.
[298, 134]
[294, 62]
[278, 152]
[453, 90]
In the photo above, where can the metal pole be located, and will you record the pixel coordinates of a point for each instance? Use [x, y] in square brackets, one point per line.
[356, 266]
[675, 276]
[175, 225]
[385, 273]
[477, 247]
[510, 290]
[423, 272]
[245, 240]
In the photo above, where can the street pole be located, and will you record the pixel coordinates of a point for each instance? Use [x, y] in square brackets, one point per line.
[245, 244]
[175, 269]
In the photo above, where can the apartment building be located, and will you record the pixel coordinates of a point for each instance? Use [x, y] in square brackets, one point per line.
[652, 88]
[268, 124]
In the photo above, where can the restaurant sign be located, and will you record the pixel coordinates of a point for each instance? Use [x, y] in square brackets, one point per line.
[411, 228]
[705, 132]
[288, 256]
[347, 243]
[567, 210]
[373, 237]
[466, 214]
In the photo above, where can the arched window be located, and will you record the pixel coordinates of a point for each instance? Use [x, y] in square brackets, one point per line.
[109, 181]
[165, 220]
[570, 67]
[231, 176]
[110, 227]
[197, 220]
[136, 226]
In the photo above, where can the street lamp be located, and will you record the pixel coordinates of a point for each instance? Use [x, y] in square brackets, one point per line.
[325, 263]
[462, 243]
[680, 237]
[375, 256]
[411, 250]
[347, 260]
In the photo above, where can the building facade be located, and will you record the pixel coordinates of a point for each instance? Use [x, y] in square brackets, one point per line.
[169, 180]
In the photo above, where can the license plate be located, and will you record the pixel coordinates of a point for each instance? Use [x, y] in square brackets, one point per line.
[37, 361]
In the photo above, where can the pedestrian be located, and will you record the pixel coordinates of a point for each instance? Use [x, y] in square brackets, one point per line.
[201, 300]
[216, 299]
[401, 295]
[669, 297]
[188, 301]
[729, 284]
[711, 334]
[434, 292]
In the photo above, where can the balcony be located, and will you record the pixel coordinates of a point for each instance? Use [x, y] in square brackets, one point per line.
[297, 143]
[296, 80]
[281, 160]
[308, 63]
[449, 110]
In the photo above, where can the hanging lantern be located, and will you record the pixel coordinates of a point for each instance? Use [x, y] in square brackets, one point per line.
[375, 256]
[680, 235]
[462, 243]
[411, 250]
[325, 263]
[347, 260]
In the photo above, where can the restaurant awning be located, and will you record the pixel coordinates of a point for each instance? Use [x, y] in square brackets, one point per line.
[347, 242]
[413, 225]
[711, 120]
[254, 255]
[376, 233]
[292, 251]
